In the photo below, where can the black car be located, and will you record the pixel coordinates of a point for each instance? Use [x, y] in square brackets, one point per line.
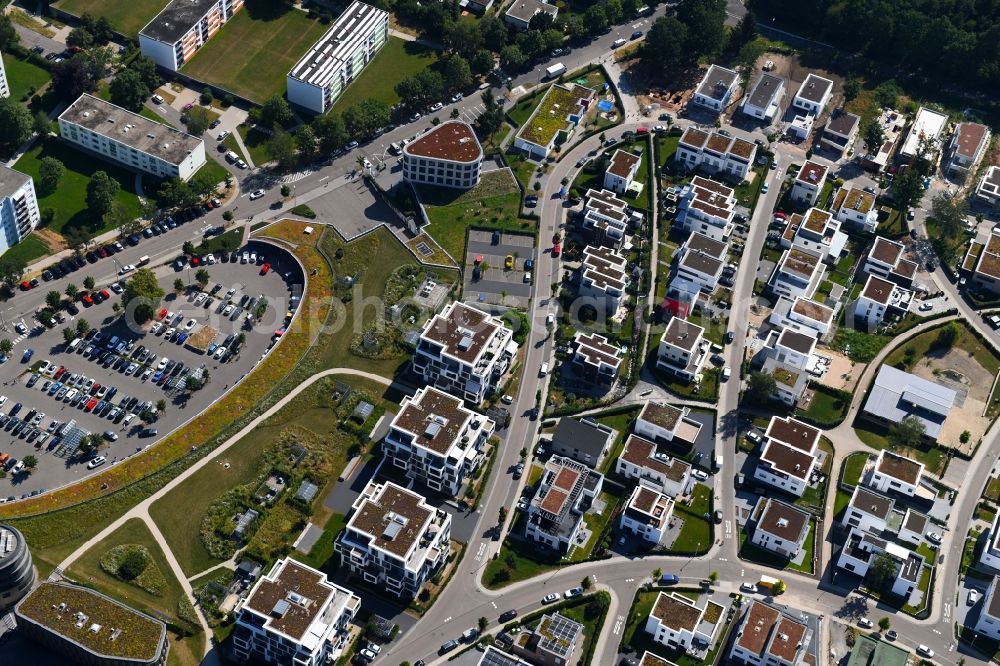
[448, 646]
[215, 123]
[92, 257]
[148, 432]
[637, 34]
[507, 616]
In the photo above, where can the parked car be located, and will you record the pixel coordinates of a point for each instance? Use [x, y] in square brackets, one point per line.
[550, 598]
[96, 462]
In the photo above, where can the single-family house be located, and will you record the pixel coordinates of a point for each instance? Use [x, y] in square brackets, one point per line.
[682, 350]
[595, 358]
[779, 527]
[968, 144]
[769, 636]
[520, 13]
[868, 510]
[641, 462]
[764, 100]
[887, 259]
[708, 207]
[621, 170]
[701, 260]
[584, 440]
[861, 549]
[857, 208]
[813, 95]
[797, 273]
[677, 622]
[809, 182]
[895, 473]
[881, 300]
[924, 135]
[647, 514]
[840, 131]
[716, 88]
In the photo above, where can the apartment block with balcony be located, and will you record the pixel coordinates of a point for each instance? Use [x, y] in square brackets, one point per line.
[464, 351]
[779, 527]
[701, 260]
[605, 218]
[707, 207]
[602, 278]
[716, 88]
[990, 556]
[988, 623]
[860, 550]
[715, 153]
[436, 440]
[819, 232]
[666, 424]
[881, 300]
[683, 349]
[647, 514]
[988, 188]
[802, 315]
[887, 260]
[19, 213]
[809, 182]
[449, 155]
[394, 540]
[641, 462]
[769, 636]
[293, 615]
[4, 84]
[788, 455]
[565, 493]
[595, 358]
[764, 100]
[182, 27]
[854, 206]
[678, 623]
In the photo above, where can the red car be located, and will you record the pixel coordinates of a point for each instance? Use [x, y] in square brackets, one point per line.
[556, 250]
[101, 252]
[195, 261]
[105, 294]
[188, 106]
[90, 405]
[161, 314]
[59, 372]
[642, 130]
[25, 286]
[87, 299]
[781, 215]
[264, 269]
[95, 388]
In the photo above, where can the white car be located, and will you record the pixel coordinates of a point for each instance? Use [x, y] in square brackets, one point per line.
[749, 588]
[934, 537]
[17, 468]
[229, 310]
[507, 399]
[726, 373]
[925, 651]
[116, 287]
[156, 328]
[973, 597]
[190, 324]
[256, 194]
[699, 474]
[127, 268]
[925, 306]
[220, 352]
[96, 462]
[865, 623]
[200, 298]
[3, 399]
[437, 106]
[222, 135]
[550, 598]
[163, 363]
[573, 592]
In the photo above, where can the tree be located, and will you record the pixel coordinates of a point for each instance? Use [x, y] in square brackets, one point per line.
[88, 282]
[202, 277]
[129, 90]
[161, 405]
[491, 119]
[705, 21]
[494, 32]
[30, 462]
[657, 572]
[908, 432]
[305, 139]
[663, 51]
[101, 192]
[884, 623]
[760, 387]
[119, 217]
[511, 57]
[6, 346]
[206, 96]
[575, 28]
[132, 564]
[72, 291]
[53, 299]
[595, 20]
[482, 62]
[330, 131]
[552, 39]
[714, 576]
[779, 588]
[852, 87]
[8, 34]
[431, 84]
[178, 284]
[50, 172]
[947, 336]
[41, 125]
[457, 73]
[503, 514]
[69, 335]
[363, 118]
[145, 67]
[950, 213]
[280, 147]
[908, 188]
[483, 623]
[11, 269]
[541, 22]
[874, 136]
[197, 119]
[192, 383]
[745, 31]
[965, 437]
[144, 289]
[882, 570]
[15, 123]
[275, 111]
[175, 193]
[82, 327]
[80, 37]
[587, 583]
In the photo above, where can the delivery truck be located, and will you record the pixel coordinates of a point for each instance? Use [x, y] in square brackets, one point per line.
[555, 70]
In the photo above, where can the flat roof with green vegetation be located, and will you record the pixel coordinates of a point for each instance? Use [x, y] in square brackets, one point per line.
[397, 60]
[122, 632]
[252, 53]
[551, 114]
[127, 17]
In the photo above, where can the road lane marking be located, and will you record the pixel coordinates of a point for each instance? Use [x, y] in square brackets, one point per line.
[494, 604]
[448, 619]
[619, 621]
[947, 611]
[482, 549]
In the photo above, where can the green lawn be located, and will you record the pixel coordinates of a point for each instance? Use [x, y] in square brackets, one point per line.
[932, 457]
[254, 140]
[23, 76]
[28, 250]
[397, 60]
[69, 201]
[127, 17]
[826, 409]
[214, 170]
[321, 556]
[522, 110]
[754, 553]
[512, 553]
[252, 54]
[696, 533]
[596, 524]
[922, 346]
[666, 146]
[853, 466]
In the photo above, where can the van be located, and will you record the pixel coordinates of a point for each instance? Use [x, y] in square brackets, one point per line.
[143, 260]
[76, 343]
[544, 370]
[717, 461]
[470, 635]
[395, 148]
[555, 70]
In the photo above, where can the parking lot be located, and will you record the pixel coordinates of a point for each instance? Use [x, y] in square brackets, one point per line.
[490, 280]
[107, 380]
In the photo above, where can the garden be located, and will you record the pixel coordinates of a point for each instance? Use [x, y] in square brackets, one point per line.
[635, 636]
[127, 18]
[24, 78]
[753, 553]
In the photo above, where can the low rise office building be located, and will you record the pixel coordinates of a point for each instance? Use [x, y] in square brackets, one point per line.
[4, 84]
[449, 155]
[17, 573]
[182, 27]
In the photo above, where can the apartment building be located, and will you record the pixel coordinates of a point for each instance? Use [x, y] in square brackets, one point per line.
[321, 76]
[925, 134]
[895, 473]
[708, 207]
[4, 84]
[840, 132]
[790, 346]
[294, 614]
[881, 300]
[983, 261]
[666, 424]
[678, 623]
[605, 218]
[464, 351]
[436, 441]
[621, 171]
[602, 278]
[797, 273]
[990, 556]
[779, 527]
[715, 153]
[647, 514]
[19, 213]
[913, 528]
[583, 440]
[809, 183]
[764, 100]
[860, 550]
[565, 493]
[682, 350]
[394, 540]
[642, 463]
[681, 299]
[449, 155]
[896, 395]
[790, 382]
[967, 146]
[818, 232]
[988, 623]
[887, 260]
[595, 358]
[554, 120]
[813, 95]
[788, 456]
[857, 208]
[769, 636]
[868, 511]
[182, 27]
[716, 88]
[135, 142]
[988, 188]
[701, 260]
[17, 574]
[802, 315]
[520, 13]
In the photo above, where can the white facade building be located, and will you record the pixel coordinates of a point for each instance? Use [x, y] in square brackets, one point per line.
[797, 273]
[640, 462]
[4, 84]
[18, 207]
[520, 13]
[130, 140]
[990, 556]
[663, 423]
[860, 550]
[701, 260]
[818, 232]
[621, 171]
[716, 88]
[927, 127]
[708, 207]
[605, 217]
[565, 492]
[896, 395]
[809, 184]
[449, 155]
[768, 636]
[887, 260]
[294, 614]
[182, 27]
[988, 623]
[568, 102]
[802, 315]
[715, 153]
[967, 146]
[896, 473]
[813, 95]
[678, 623]
[840, 132]
[764, 100]
[879, 300]
[988, 188]
[319, 78]
[857, 208]
[595, 358]
[683, 349]
[647, 514]
[602, 277]
[779, 527]
[788, 455]
[868, 511]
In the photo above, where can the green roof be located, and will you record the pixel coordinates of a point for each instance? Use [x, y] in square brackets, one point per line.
[870, 652]
[551, 115]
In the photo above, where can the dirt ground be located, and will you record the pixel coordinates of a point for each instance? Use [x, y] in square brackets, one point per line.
[843, 373]
[53, 239]
[960, 372]
[794, 71]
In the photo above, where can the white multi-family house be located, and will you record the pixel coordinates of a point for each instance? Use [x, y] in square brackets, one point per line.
[621, 171]
[662, 423]
[596, 359]
[449, 155]
[868, 511]
[394, 539]
[789, 382]
[701, 260]
[790, 347]
[708, 207]
[887, 259]
[802, 315]
[988, 623]
[19, 213]
[182, 27]
[565, 102]
[647, 514]
[912, 528]
[464, 351]
[676, 622]
[896, 473]
[983, 261]
[768, 636]
[293, 615]
[968, 144]
[856, 207]
[4, 84]
[880, 300]
[809, 182]
[988, 188]
[860, 550]
[683, 349]
[779, 527]
[436, 440]
[813, 95]
[565, 492]
[896, 395]
[716, 88]
[764, 100]
[641, 462]
[552, 642]
[605, 218]
[840, 131]
[797, 273]
[520, 13]
[788, 455]
[990, 556]
[818, 232]
[603, 277]
[925, 134]
[715, 153]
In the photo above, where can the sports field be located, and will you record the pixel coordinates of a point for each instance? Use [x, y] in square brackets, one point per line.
[128, 17]
[251, 55]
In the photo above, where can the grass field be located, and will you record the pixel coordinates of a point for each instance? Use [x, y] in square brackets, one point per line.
[69, 201]
[88, 570]
[127, 17]
[23, 76]
[254, 140]
[28, 250]
[252, 53]
[397, 60]
[214, 170]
